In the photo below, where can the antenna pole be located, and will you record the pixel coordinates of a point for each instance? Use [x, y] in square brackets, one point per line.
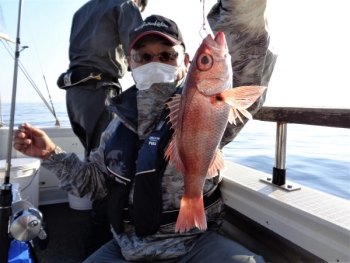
[6, 187]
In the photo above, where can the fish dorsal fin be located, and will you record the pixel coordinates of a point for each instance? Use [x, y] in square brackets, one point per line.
[172, 154]
[218, 163]
[240, 99]
[174, 106]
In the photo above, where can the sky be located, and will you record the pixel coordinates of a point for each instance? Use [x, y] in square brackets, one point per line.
[311, 38]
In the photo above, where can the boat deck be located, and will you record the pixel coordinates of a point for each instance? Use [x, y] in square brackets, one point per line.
[72, 234]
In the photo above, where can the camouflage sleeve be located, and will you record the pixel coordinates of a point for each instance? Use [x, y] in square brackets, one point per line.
[83, 179]
[245, 26]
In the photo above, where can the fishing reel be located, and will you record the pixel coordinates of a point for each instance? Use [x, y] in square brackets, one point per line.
[26, 222]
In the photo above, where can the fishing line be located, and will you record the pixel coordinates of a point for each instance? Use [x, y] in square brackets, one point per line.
[26, 74]
[203, 24]
[31, 181]
[204, 16]
[11, 52]
[2, 124]
[47, 88]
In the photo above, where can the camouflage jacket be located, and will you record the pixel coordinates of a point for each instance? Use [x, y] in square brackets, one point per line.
[253, 59]
[90, 179]
[252, 63]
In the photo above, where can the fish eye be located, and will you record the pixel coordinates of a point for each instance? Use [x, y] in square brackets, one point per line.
[219, 97]
[204, 62]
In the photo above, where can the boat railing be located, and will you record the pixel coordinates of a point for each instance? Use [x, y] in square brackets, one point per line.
[330, 117]
[305, 225]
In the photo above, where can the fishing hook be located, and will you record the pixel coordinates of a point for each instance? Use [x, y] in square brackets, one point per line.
[203, 25]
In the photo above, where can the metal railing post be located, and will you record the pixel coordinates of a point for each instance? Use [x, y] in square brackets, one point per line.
[279, 170]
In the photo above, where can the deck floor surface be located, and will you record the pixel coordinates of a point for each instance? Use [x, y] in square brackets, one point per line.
[73, 235]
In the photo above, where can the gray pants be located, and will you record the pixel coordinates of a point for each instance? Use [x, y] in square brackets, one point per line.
[210, 247]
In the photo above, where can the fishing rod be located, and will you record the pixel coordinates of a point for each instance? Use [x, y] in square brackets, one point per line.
[6, 187]
[31, 81]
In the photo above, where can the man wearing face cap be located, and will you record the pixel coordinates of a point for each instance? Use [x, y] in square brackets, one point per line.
[145, 191]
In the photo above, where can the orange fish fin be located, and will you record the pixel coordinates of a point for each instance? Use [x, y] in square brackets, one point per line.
[218, 163]
[191, 215]
[232, 115]
[172, 154]
[174, 106]
[246, 114]
[240, 99]
[236, 115]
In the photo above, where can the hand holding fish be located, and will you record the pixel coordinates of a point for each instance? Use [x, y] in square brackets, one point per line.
[199, 117]
[32, 141]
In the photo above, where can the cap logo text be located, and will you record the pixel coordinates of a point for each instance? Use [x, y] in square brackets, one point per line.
[155, 23]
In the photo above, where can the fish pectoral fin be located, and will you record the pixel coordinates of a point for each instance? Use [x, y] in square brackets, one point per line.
[232, 115]
[217, 164]
[174, 106]
[246, 114]
[172, 154]
[240, 99]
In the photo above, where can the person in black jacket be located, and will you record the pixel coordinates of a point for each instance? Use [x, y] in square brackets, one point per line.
[113, 166]
[145, 190]
[98, 40]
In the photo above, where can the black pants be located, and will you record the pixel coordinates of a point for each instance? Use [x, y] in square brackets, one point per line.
[86, 107]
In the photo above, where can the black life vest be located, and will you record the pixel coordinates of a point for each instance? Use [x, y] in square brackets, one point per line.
[129, 159]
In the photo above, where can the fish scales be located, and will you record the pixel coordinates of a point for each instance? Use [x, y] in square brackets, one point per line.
[198, 141]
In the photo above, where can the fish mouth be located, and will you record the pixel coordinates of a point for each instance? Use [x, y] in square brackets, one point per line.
[220, 40]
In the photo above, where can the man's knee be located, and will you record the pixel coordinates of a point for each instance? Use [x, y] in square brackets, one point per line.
[213, 246]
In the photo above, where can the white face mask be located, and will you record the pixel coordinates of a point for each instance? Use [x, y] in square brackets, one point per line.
[154, 72]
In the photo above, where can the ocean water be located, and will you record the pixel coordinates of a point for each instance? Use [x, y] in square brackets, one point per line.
[317, 157]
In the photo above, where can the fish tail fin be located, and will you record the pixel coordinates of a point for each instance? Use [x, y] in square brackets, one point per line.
[191, 215]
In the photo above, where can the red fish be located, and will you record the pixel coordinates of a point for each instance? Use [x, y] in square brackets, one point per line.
[199, 117]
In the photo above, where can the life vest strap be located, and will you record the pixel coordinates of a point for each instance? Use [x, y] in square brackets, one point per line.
[170, 217]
